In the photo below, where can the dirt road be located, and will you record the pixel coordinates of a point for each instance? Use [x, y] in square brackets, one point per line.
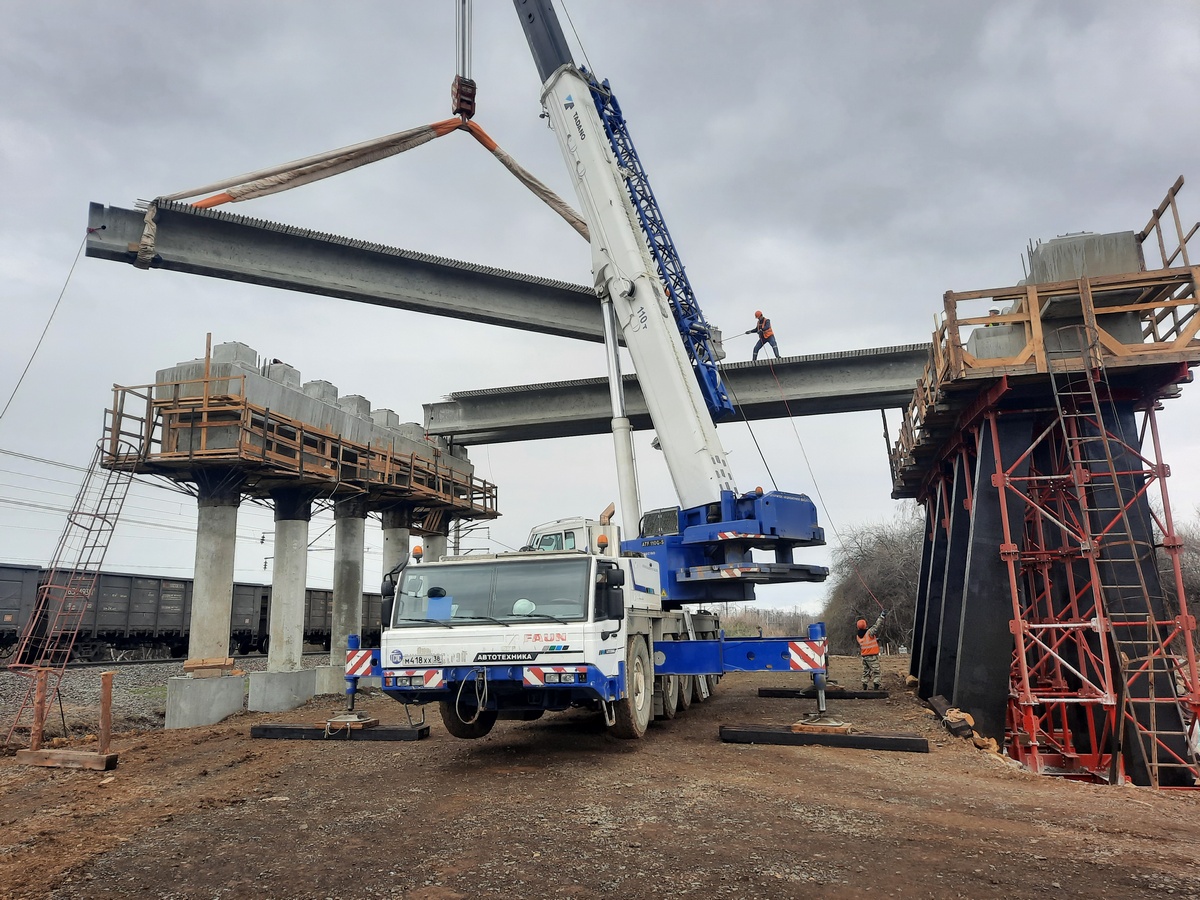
[558, 808]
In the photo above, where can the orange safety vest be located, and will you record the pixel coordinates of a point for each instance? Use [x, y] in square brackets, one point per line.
[868, 644]
[764, 328]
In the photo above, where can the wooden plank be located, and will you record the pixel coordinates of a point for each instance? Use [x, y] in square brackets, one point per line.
[318, 733]
[1188, 333]
[68, 759]
[335, 725]
[805, 728]
[783, 734]
[105, 734]
[811, 694]
[1037, 337]
[212, 662]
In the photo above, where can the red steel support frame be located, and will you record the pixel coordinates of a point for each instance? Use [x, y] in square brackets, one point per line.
[1069, 704]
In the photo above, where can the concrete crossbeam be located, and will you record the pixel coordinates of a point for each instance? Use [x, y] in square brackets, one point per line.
[221, 245]
[851, 381]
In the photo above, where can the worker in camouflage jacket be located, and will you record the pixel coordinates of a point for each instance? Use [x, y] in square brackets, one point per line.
[868, 646]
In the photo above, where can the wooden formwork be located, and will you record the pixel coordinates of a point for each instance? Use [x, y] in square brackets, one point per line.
[180, 428]
[1155, 343]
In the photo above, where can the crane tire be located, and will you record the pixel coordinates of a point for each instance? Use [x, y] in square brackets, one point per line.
[670, 695]
[468, 730]
[686, 686]
[633, 711]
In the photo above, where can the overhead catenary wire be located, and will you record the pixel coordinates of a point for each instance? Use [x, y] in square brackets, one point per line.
[49, 320]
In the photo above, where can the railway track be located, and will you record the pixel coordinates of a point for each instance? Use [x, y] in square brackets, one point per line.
[111, 663]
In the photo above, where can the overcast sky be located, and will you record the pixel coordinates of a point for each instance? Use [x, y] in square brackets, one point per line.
[838, 165]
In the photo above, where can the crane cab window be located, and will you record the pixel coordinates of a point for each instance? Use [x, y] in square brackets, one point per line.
[559, 540]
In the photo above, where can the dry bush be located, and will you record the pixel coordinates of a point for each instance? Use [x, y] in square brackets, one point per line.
[876, 567]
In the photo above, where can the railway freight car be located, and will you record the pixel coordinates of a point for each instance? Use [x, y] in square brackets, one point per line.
[152, 613]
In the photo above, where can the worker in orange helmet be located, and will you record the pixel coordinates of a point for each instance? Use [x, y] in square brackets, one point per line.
[868, 646]
[766, 335]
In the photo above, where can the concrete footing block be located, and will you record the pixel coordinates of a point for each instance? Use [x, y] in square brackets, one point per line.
[279, 691]
[203, 701]
[331, 679]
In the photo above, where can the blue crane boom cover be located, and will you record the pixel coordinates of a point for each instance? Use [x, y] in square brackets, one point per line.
[689, 319]
[705, 553]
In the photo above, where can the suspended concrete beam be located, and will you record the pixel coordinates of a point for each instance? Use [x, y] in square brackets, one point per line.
[221, 245]
[851, 381]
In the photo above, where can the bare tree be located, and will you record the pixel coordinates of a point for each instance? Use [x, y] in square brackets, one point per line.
[746, 622]
[876, 567]
[1188, 532]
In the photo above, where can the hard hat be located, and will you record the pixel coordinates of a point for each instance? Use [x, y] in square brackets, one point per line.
[861, 623]
[523, 607]
[758, 314]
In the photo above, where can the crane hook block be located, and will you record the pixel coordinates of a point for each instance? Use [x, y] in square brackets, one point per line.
[462, 97]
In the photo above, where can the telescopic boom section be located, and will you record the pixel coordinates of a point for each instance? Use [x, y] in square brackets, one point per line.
[634, 263]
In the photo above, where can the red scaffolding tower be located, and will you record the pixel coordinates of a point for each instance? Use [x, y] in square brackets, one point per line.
[1051, 603]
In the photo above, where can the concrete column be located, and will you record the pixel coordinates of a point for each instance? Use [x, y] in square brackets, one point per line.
[349, 541]
[293, 509]
[435, 547]
[396, 535]
[212, 590]
[204, 701]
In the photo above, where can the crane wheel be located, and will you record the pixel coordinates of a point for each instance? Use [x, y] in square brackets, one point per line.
[670, 695]
[468, 730]
[634, 710]
[686, 686]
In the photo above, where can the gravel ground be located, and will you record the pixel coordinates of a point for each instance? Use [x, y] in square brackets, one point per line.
[558, 807]
[139, 695]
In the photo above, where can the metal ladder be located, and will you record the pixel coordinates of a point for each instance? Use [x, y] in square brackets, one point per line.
[1143, 667]
[45, 645]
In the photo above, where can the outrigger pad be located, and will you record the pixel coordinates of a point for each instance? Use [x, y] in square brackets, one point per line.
[785, 734]
[319, 733]
[830, 694]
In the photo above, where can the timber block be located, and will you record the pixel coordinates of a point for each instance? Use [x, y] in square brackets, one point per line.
[830, 694]
[321, 733]
[68, 759]
[785, 734]
[959, 727]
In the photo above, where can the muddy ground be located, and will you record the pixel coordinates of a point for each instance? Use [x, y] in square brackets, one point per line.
[558, 808]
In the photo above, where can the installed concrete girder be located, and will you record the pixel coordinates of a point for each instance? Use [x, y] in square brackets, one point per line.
[221, 245]
[852, 381]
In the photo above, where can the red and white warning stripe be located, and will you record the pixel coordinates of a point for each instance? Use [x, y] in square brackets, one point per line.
[734, 535]
[358, 662]
[805, 656]
[433, 678]
[535, 676]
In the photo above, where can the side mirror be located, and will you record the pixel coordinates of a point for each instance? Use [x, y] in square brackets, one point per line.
[614, 602]
[386, 605]
[615, 578]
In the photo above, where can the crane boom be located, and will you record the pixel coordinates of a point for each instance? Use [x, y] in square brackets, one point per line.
[628, 273]
[705, 548]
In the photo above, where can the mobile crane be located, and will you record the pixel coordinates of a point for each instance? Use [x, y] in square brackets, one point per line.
[515, 635]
